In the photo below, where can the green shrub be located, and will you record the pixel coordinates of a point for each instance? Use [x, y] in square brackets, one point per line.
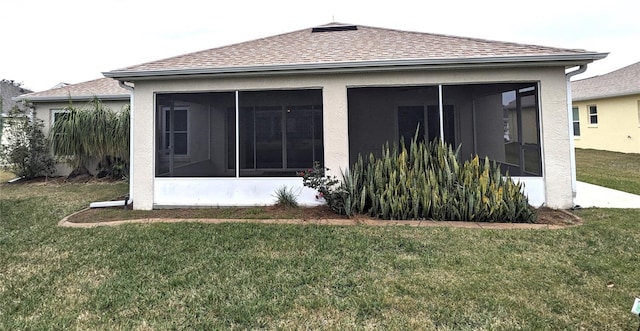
[26, 152]
[427, 182]
[329, 188]
[286, 197]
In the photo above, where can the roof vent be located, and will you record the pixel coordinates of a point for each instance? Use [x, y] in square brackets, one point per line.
[334, 27]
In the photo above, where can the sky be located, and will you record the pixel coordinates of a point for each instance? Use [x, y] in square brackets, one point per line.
[46, 42]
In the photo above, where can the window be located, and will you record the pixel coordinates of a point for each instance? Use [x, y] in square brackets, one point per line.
[593, 114]
[638, 112]
[410, 119]
[576, 122]
[57, 115]
[180, 130]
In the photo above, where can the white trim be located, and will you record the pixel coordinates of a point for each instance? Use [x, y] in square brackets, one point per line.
[565, 60]
[441, 113]
[102, 97]
[237, 142]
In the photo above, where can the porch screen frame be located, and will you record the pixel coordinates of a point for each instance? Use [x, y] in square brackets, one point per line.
[165, 113]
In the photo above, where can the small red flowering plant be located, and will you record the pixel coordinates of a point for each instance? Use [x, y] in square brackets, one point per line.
[329, 187]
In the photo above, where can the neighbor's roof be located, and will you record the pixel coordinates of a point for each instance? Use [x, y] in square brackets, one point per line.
[103, 88]
[340, 46]
[624, 81]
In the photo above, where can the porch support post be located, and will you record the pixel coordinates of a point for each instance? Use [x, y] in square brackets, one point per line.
[555, 138]
[237, 135]
[441, 111]
[143, 133]
[335, 119]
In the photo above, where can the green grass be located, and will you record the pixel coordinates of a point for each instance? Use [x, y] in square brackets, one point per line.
[259, 276]
[619, 171]
[6, 175]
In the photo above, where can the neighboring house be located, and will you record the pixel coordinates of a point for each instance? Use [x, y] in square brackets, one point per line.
[8, 90]
[606, 111]
[50, 103]
[230, 125]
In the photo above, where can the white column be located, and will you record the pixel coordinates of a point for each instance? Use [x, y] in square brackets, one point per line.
[143, 158]
[556, 141]
[336, 127]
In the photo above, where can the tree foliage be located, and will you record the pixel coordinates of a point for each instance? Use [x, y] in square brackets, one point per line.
[80, 136]
[26, 152]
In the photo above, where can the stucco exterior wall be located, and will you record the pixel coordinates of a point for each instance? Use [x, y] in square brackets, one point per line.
[336, 140]
[618, 127]
[44, 111]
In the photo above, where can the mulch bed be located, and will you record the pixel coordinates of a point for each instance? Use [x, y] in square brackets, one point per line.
[544, 216]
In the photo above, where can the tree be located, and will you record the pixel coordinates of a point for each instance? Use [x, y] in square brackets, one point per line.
[95, 132]
[26, 152]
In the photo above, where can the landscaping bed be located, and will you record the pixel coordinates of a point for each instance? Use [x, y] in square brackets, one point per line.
[96, 215]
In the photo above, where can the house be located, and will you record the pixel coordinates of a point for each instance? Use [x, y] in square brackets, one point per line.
[230, 125]
[606, 111]
[8, 90]
[51, 103]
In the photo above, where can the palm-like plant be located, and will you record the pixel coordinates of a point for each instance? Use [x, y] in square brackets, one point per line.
[94, 132]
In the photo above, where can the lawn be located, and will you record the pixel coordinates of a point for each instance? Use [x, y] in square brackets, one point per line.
[619, 171]
[261, 276]
[5, 176]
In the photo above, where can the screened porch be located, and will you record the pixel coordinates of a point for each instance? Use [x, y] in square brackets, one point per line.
[500, 121]
[274, 133]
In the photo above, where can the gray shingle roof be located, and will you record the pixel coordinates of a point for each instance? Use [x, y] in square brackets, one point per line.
[624, 81]
[366, 46]
[104, 88]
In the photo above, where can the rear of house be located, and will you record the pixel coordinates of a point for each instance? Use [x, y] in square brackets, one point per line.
[230, 125]
[606, 111]
[53, 103]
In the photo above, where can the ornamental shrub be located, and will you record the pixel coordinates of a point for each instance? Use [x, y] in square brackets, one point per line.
[26, 152]
[425, 182]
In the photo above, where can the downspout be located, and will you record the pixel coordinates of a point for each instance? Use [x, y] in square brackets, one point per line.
[128, 199]
[572, 151]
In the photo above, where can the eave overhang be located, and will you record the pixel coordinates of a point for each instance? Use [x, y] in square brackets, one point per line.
[566, 60]
[108, 97]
